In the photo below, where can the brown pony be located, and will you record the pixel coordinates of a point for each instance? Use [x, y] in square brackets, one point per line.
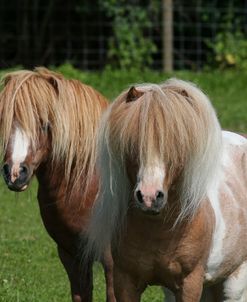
[173, 198]
[48, 127]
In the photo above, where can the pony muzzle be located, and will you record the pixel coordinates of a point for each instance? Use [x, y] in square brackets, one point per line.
[16, 176]
[151, 203]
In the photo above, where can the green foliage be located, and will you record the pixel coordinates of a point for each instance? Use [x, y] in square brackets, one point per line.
[71, 72]
[230, 45]
[129, 48]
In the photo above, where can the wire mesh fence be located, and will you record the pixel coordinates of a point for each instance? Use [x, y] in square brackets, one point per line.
[34, 32]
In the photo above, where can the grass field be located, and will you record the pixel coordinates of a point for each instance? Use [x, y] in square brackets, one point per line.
[29, 267]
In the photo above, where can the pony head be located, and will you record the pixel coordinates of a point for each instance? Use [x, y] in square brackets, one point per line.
[167, 138]
[159, 148]
[45, 118]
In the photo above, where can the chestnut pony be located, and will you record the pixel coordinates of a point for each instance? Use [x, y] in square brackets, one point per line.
[48, 127]
[173, 200]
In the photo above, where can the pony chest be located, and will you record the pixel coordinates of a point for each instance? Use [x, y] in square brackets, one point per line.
[154, 260]
[149, 264]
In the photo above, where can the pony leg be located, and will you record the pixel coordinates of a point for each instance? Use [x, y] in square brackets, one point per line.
[209, 294]
[107, 263]
[235, 287]
[192, 286]
[126, 288]
[81, 290]
[212, 293]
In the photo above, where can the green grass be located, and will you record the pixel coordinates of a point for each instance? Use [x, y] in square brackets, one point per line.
[29, 267]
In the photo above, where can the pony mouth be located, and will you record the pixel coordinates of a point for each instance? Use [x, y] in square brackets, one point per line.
[150, 211]
[23, 188]
[19, 185]
[17, 188]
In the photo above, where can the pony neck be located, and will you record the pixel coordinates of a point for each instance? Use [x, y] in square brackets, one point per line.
[50, 172]
[52, 179]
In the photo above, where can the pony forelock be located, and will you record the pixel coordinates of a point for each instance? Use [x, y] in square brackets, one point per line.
[174, 122]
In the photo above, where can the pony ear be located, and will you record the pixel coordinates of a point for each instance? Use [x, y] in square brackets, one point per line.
[133, 94]
[183, 92]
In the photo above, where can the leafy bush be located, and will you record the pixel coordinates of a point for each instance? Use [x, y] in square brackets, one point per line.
[230, 45]
[129, 48]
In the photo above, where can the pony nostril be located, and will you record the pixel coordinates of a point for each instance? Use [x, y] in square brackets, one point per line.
[160, 194]
[6, 169]
[139, 196]
[23, 169]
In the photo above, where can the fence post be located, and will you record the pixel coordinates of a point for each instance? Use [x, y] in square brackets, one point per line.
[167, 30]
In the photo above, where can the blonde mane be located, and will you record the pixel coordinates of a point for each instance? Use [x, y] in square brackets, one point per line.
[41, 97]
[174, 122]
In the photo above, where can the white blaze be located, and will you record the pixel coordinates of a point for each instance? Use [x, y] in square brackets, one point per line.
[151, 177]
[20, 145]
